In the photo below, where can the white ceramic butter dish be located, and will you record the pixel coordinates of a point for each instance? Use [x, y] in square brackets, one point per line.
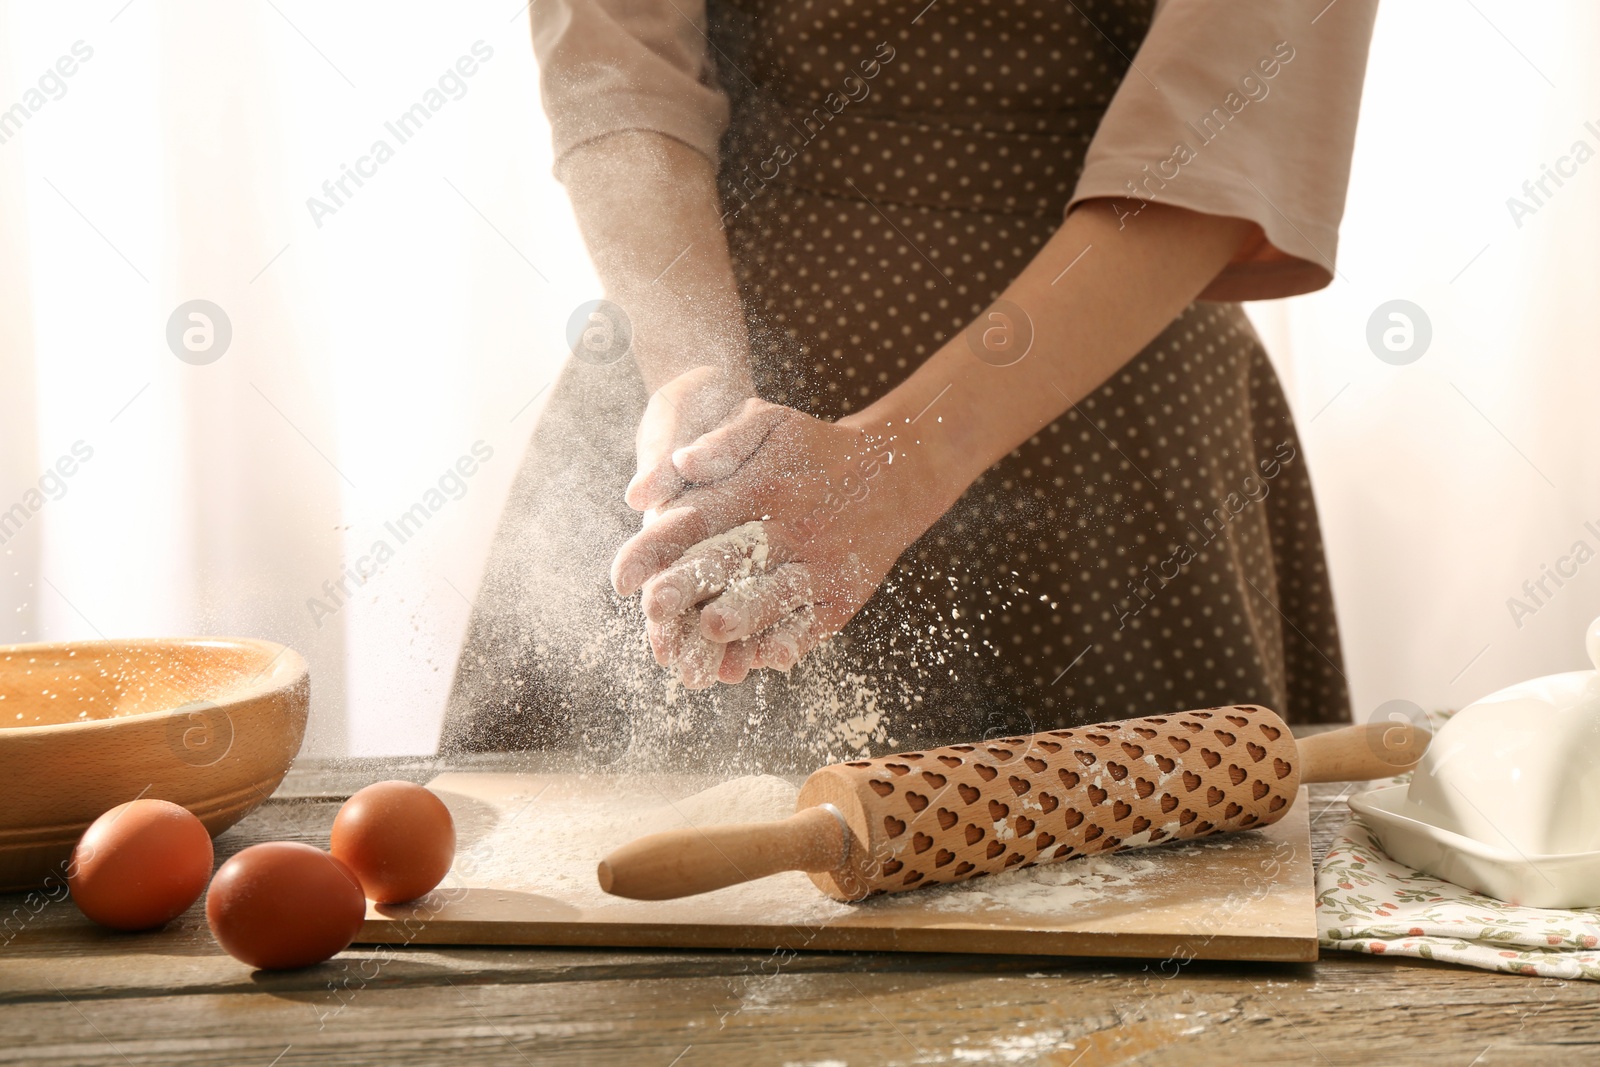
[1506, 801]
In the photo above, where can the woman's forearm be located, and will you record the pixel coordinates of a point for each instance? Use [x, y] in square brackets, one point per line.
[651, 217]
[1100, 290]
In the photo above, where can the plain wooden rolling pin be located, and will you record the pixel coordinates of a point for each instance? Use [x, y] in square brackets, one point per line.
[922, 818]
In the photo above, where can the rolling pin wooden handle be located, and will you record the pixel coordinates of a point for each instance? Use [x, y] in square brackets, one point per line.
[1361, 753]
[680, 863]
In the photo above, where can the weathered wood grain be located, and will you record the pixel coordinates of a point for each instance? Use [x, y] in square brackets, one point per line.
[1371, 1011]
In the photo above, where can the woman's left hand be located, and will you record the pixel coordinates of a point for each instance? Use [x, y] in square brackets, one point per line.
[836, 507]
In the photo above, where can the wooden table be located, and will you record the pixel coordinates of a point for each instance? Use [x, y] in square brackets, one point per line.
[71, 993]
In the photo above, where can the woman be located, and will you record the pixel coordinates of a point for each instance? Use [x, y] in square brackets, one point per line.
[1013, 445]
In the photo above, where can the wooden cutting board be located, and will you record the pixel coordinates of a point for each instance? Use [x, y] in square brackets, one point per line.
[1247, 896]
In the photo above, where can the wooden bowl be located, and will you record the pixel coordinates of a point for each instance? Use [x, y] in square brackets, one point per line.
[209, 723]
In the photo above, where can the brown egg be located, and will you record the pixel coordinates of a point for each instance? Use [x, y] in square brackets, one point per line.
[140, 864]
[398, 838]
[284, 904]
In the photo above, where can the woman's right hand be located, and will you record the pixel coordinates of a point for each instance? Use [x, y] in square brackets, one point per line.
[679, 413]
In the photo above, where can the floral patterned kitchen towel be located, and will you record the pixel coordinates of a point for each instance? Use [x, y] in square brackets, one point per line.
[1367, 902]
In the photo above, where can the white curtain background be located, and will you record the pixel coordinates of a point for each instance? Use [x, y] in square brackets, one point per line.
[424, 315]
[1446, 484]
[368, 353]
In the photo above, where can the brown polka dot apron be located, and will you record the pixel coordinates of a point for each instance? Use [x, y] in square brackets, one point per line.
[884, 178]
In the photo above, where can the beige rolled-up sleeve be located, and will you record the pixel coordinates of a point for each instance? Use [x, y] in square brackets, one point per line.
[611, 65]
[1246, 110]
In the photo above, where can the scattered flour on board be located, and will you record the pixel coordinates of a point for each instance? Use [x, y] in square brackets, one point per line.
[1051, 889]
[552, 846]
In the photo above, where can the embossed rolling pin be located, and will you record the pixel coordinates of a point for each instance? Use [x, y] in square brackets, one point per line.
[947, 814]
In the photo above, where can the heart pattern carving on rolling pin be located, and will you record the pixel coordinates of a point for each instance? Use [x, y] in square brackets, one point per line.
[956, 812]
